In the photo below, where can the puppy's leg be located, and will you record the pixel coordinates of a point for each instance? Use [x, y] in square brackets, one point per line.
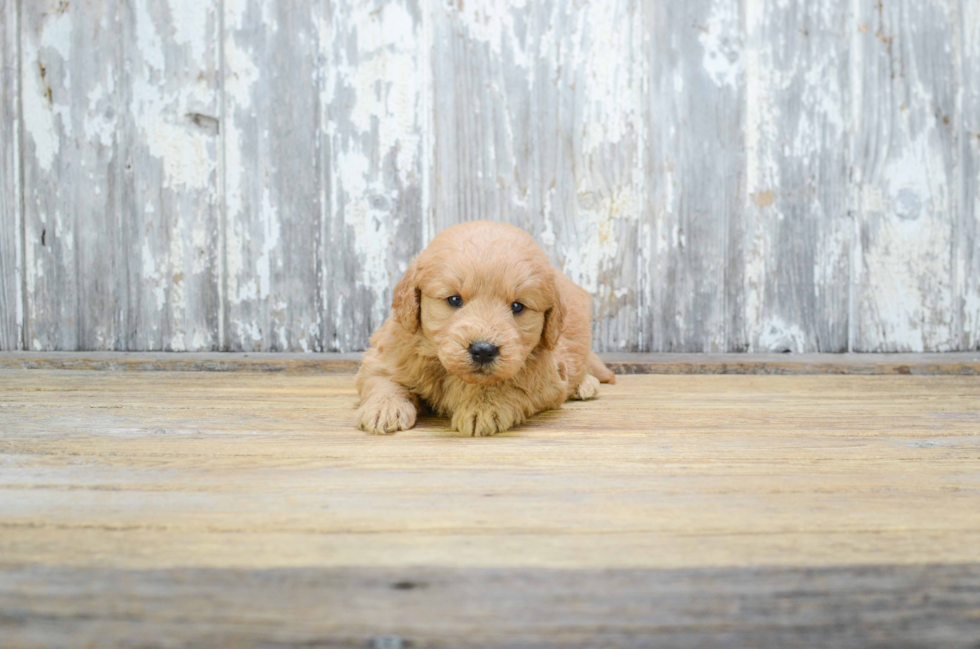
[599, 370]
[485, 415]
[386, 407]
[587, 389]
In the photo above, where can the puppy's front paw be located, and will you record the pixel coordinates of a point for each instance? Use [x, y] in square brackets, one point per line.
[587, 389]
[386, 415]
[481, 422]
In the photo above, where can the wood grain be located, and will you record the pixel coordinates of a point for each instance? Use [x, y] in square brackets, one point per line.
[373, 64]
[795, 228]
[968, 232]
[949, 364]
[906, 59]
[724, 177]
[73, 177]
[120, 175]
[694, 185]
[731, 511]
[537, 114]
[170, 201]
[273, 187]
[11, 212]
[850, 607]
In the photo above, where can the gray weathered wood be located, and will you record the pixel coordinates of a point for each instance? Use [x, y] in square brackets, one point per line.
[843, 607]
[920, 364]
[120, 162]
[170, 204]
[273, 191]
[694, 174]
[968, 234]
[11, 225]
[373, 63]
[537, 118]
[906, 62]
[795, 230]
[72, 176]
[723, 176]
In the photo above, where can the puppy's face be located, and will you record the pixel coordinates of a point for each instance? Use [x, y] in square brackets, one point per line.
[485, 294]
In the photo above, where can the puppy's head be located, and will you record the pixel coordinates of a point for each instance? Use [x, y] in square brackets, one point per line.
[485, 295]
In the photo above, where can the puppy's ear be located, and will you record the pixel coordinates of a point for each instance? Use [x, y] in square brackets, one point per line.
[554, 320]
[406, 300]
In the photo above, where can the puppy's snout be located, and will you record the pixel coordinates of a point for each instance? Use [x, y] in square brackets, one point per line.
[483, 353]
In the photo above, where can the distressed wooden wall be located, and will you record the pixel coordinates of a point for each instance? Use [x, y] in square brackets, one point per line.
[723, 175]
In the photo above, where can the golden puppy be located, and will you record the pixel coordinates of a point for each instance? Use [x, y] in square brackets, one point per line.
[484, 330]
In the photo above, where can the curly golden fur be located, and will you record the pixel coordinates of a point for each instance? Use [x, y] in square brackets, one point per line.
[483, 330]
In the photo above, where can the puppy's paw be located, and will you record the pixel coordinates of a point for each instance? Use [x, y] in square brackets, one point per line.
[587, 389]
[480, 422]
[386, 415]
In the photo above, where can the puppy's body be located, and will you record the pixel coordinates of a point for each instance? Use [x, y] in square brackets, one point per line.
[457, 341]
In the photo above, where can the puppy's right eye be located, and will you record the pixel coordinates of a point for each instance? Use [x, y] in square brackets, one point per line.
[455, 301]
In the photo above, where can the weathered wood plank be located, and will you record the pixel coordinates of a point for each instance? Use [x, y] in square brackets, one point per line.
[694, 175]
[922, 364]
[968, 233]
[11, 213]
[538, 123]
[229, 509]
[273, 188]
[256, 471]
[120, 175]
[169, 202]
[859, 607]
[373, 63]
[73, 175]
[796, 227]
[906, 58]
[586, 141]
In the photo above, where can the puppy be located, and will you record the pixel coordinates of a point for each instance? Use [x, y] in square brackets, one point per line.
[483, 330]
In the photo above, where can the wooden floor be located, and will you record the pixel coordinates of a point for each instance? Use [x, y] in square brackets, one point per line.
[183, 509]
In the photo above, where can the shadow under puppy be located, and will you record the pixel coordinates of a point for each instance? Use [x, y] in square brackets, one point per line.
[484, 330]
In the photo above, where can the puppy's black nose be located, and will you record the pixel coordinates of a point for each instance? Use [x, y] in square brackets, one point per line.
[483, 352]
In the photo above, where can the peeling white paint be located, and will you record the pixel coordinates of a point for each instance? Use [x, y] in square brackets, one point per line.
[722, 41]
[189, 20]
[777, 335]
[241, 75]
[39, 112]
[151, 276]
[580, 183]
[270, 244]
[584, 264]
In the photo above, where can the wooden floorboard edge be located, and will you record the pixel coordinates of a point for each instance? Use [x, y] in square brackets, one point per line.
[955, 364]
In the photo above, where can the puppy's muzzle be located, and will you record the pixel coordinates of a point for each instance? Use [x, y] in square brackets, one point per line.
[483, 353]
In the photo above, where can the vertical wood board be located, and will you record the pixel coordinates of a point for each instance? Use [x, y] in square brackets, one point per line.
[273, 191]
[796, 232]
[11, 215]
[694, 174]
[537, 123]
[73, 162]
[170, 206]
[905, 66]
[120, 163]
[968, 233]
[373, 104]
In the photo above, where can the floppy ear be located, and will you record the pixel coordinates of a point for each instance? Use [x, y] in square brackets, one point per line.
[406, 300]
[554, 320]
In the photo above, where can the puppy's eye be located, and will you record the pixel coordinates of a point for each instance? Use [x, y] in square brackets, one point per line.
[516, 307]
[455, 301]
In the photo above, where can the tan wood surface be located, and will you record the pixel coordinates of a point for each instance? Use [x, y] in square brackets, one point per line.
[234, 509]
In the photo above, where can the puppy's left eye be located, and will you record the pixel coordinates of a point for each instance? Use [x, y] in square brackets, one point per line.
[516, 307]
